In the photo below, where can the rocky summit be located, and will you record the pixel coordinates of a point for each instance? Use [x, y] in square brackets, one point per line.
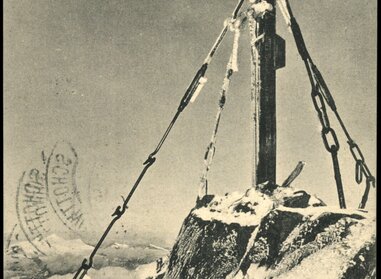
[272, 232]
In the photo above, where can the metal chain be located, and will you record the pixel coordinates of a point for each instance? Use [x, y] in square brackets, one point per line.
[361, 167]
[331, 143]
[364, 199]
[319, 97]
[319, 84]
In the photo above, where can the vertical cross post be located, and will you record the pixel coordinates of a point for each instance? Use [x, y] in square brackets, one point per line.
[267, 55]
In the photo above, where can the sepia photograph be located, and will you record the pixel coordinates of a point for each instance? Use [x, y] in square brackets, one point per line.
[189, 139]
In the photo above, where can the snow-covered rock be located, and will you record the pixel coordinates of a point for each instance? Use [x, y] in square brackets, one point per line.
[272, 232]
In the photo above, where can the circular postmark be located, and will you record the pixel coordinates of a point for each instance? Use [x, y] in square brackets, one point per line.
[61, 185]
[32, 208]
[13, 235]
[47, 194]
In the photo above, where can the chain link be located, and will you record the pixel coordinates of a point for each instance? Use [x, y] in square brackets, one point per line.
[361, 169]
[370, 181]
[326, 132]
[319, 105]
[358, 171]
[320, 92]
[331, 143]
[321, 95]
[356, 151]
[334, 145]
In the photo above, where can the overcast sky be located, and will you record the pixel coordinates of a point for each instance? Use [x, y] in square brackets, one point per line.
[107, 76]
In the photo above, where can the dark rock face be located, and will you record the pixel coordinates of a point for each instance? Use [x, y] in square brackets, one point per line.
[219, 245]
[288, 246]
[285, 234]
[273, 230]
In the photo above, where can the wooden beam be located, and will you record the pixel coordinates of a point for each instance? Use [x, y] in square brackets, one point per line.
[267, 55]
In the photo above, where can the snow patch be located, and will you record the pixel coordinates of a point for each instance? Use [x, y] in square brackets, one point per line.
[52, 244]
[314, 201]
[120, 246]
[335, 259]
[245, 210]
[147, 270]
[315, 212]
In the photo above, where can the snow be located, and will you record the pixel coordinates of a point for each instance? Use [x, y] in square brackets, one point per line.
[256, 205]
[142, 272]
[104, 273]
[281, 192]
[237, 273]
[315, 212]
[261, 8]
[200, 86]
[226, 208]
[332, 261]
[248, 210]
[120, 246]
[60, 245]
[257, 272]
[62, 256]
[335, 259]
[146, 271]
[234, 55]
[52, 245]
[313, 201]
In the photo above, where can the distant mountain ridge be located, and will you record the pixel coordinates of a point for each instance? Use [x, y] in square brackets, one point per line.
[63, 256]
